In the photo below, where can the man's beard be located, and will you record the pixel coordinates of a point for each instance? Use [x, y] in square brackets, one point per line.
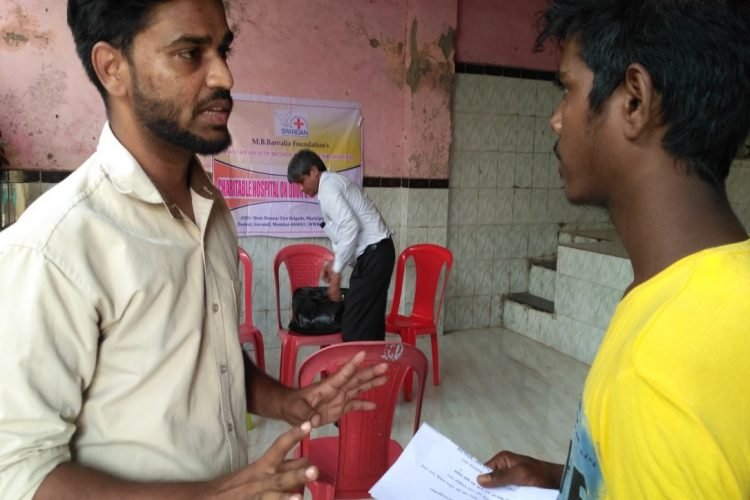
[161, 118]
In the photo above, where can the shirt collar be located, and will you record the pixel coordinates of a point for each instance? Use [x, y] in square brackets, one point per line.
[129, 178]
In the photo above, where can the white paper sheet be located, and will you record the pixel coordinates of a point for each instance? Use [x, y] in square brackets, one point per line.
[434, 467]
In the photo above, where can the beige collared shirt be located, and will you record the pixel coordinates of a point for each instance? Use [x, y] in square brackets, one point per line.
[118, 331]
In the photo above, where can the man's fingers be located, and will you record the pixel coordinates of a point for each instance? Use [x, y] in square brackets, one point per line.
[499, 477]
[282, 484]
[278, 451]
[348, 382]
[350, 377]
[346, 372]
[299, 411]
[292, 464]
[503, 460]
[512, 468]
[272, 476]
[364, 383]
[316, 420]
[337, 393]
[488, 480]
[359, 405]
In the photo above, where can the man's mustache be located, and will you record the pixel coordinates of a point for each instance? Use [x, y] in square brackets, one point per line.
[222, 96]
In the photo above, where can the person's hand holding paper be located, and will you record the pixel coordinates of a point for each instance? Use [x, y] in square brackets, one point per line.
[433, 467]
[510, 468]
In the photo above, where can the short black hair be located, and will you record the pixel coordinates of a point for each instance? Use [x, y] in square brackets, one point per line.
[301, 164]
[116, 22]
[697, 53]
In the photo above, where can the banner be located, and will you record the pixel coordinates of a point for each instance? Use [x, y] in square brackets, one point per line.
[266, 132]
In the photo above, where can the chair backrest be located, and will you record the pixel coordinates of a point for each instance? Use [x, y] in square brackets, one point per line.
[429, 261]
[304, 264]
[247, 282]
[364, 436]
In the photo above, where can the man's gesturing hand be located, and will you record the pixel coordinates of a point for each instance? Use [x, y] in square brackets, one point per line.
[272, 476]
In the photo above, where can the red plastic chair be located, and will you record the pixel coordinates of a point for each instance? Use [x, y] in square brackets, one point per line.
[352, 462]
[249, 334]
[304, 265]
[429, 261]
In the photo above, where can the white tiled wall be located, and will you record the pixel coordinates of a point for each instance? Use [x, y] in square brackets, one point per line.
[506, 199]
[542, 282]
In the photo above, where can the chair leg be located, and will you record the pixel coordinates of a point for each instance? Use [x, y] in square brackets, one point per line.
[435, 359]
[408, 384]
[320, 490]
[288, 359]
[408, 337]
[260, 356]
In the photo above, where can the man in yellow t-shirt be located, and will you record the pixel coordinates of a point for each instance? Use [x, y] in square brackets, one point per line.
[656, 104]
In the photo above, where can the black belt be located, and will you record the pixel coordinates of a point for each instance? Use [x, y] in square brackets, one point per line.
[374, 246]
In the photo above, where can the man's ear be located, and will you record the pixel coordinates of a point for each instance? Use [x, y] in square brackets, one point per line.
[641, 107]
[111, 68]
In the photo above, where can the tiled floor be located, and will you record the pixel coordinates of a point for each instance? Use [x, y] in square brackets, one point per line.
[498, 390]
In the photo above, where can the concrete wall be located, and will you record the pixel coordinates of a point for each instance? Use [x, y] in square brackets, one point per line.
[393, 56]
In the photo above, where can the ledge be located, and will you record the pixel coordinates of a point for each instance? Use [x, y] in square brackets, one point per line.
[532, 301]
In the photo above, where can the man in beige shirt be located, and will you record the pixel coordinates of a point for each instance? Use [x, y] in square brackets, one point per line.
[122, 374]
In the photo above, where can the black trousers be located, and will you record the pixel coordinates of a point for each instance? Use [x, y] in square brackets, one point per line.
[365, 303]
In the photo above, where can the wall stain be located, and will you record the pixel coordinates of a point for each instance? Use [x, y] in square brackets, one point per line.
[413, 74]
[425, 69]
[14, 39]
[394, 56]
[22, 30]
[393, 50]
[446, 43]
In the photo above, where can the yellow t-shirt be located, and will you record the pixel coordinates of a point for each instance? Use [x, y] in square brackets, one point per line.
[666, 405]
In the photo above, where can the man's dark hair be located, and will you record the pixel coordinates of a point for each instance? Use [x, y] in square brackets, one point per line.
[116, 22]
[697, 53]
[301, 163]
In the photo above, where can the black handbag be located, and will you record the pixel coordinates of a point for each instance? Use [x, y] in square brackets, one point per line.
[313, 313]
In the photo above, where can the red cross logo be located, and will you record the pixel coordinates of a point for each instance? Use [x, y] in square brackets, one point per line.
[298, 123]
